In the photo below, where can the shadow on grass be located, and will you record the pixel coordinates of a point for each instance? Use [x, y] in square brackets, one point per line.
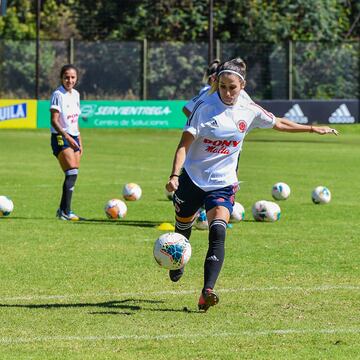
[141, 223]
[128, 306]
[84, 221]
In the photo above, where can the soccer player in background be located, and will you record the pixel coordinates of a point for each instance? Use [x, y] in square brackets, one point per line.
[204, 169]
[65, 136]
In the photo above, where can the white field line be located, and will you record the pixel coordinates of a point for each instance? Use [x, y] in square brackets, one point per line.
[245, 333]
[321, 288]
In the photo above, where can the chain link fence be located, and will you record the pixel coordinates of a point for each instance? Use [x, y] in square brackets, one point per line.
[171, 70]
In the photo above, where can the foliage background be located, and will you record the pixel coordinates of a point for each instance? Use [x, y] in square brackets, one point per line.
[108, 39]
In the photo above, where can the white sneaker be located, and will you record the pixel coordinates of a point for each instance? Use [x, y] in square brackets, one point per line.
[70, 217]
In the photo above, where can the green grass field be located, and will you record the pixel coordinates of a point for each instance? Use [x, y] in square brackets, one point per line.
[92, 290]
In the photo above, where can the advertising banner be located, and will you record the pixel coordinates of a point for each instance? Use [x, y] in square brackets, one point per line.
[315, 111]
[18, 114]
[123, 114]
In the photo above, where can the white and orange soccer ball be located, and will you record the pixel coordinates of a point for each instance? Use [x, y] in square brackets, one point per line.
[115, 209]
[172, 251]
[238, 213]
[132, 192]
[266, 211]
[6, 206]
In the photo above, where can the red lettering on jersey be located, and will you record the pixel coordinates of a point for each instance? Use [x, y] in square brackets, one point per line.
[73, 117]
[242, 126]
[226, 143]
[217, 150]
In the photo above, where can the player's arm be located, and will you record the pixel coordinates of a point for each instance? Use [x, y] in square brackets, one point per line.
[186, 111]
[179, 159]
[282, 124]
[81, 145]
[55, 123]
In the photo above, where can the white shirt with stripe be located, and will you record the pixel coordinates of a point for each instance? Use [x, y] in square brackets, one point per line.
[68, 105]
[219, 131]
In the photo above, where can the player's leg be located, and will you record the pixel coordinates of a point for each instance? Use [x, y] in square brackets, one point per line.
[69, 161]
[219, 205]
[187, 200]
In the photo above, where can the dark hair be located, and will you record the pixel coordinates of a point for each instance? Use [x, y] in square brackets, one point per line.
[68, 67]
[211, 70]
[238, 65]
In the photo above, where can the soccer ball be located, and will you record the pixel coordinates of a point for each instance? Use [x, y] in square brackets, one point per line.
[321, 195]
[238, 213]
[280, 191]
[115, 209]
[172, 251]
[266, 211]
[6, 206]
[201, 222]
[132, 192]
[169, 194]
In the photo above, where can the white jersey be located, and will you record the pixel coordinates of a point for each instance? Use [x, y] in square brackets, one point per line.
[68, 105]
[244, 96]
[219, 131]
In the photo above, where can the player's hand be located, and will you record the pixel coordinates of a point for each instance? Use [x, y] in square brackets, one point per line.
[323, 130]
[73, 144]
[172, 184]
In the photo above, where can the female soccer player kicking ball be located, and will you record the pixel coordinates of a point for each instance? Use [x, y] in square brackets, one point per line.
[205, 164]
[65, 136]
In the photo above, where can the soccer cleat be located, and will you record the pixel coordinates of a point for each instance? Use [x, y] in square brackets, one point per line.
[202, 215]
[207, 298]
[175, 275]
[201, 222]
[68, 217]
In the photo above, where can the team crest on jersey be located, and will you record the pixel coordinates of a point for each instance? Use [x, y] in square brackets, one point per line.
[242, 126]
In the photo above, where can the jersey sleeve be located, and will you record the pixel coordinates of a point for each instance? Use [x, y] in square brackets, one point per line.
[55, 101]
[263, 118]
[190, 105]
[192, 124]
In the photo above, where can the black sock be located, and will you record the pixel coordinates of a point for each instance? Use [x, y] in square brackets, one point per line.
[68, 188]
[216, 252]
[184, 228]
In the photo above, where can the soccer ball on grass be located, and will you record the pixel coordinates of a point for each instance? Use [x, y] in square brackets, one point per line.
[266, 211]
[172, 251]
[238, 213]
[132, 192]
[6, 206]
[280, 191]
[115, 209]
[321, 195]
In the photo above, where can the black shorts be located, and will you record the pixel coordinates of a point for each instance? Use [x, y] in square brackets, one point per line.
[188, 198]
[59, 143]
